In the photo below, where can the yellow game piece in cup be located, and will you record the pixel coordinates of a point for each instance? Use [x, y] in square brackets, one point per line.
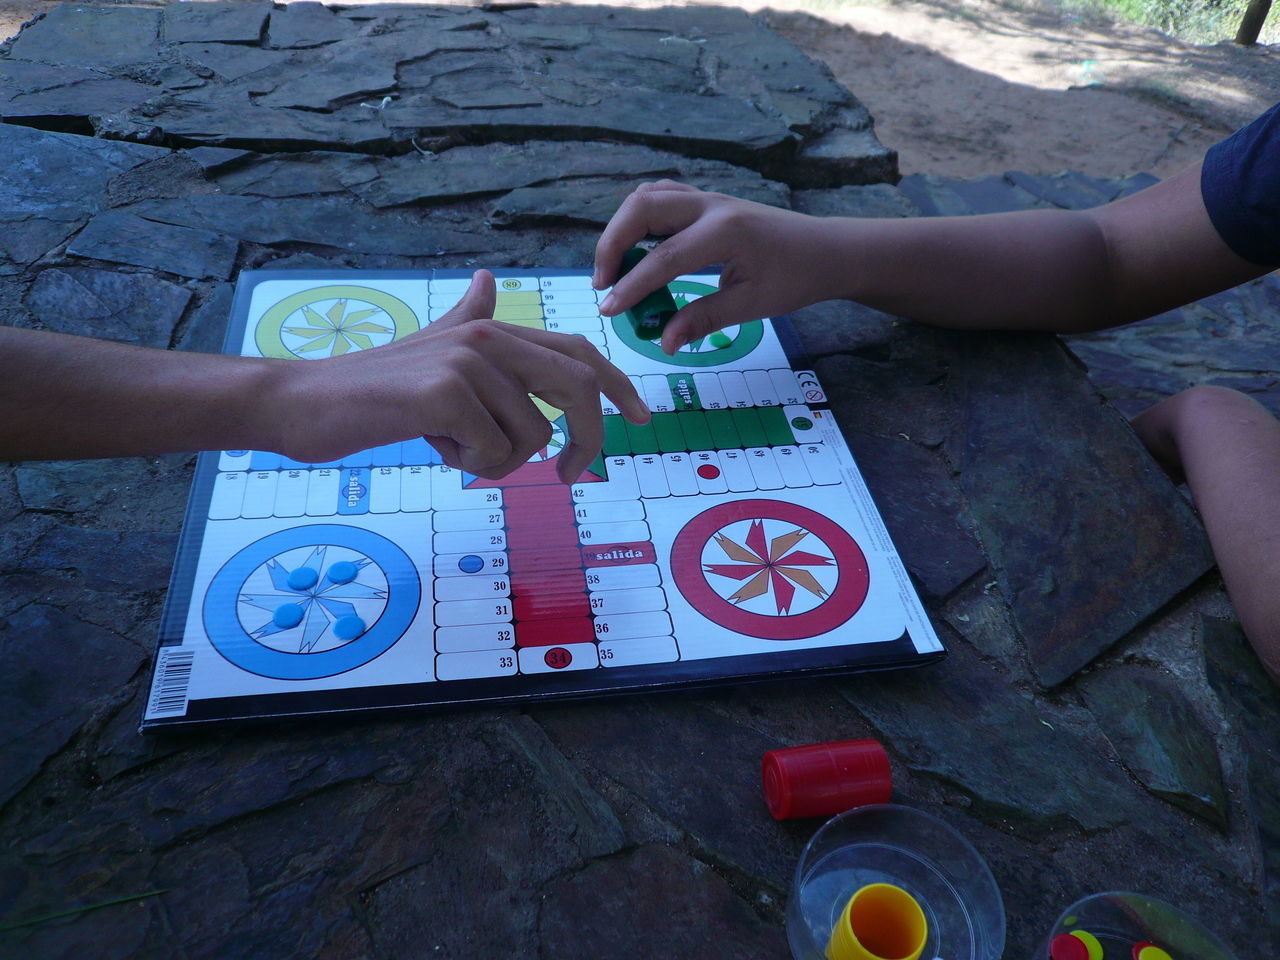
[880, 922]
[1092, 944]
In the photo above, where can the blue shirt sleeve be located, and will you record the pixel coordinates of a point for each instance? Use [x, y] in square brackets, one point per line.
[1240, 184]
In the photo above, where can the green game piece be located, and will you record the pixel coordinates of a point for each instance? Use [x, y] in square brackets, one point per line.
[749, 427]
[641, 438]
[684, 391]
[648, 317]
[776, 428]
[720, 340]
[723, 430]
[666, 427]
[697, 435]
[616, 442]
[802, 423]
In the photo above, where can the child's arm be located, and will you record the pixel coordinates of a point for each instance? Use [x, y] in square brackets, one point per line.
[1227, 446]
[1037, 269]
[463, 382]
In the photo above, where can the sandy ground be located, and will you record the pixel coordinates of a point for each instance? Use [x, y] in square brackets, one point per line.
[973, 87]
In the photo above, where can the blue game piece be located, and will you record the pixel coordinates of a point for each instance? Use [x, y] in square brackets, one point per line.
[304, 578]
[287, 615]
[344, 571]
[471, 564]
[348, 628]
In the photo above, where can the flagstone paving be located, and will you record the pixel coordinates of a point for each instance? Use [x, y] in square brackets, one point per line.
[1098, 724]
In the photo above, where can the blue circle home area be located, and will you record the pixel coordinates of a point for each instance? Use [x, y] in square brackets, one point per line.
[358, 642]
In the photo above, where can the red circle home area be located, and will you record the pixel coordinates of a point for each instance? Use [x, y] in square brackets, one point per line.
[846, 597]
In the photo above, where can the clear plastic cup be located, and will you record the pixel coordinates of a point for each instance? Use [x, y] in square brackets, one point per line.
[897, 845]
[1121, 920]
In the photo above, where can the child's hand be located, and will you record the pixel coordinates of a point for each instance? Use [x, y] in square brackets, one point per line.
[774, 260]
[464, 384]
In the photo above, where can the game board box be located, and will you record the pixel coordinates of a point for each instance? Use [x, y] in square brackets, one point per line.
[731, 539]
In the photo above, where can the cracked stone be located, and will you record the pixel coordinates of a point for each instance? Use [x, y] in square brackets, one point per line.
[710, 83]
[112, 306]
[207, 328]
[215, 159]
[69, 486]
[207, 22]
[655, 895]
[20, 76]
[84, 98]
[43, 697]
[930, 715]
[340, 72]
[322, 222]
[91, 36]
[217, 121]
[52, 184]
[926, 516]
[474, 171]
[881, 391]
[1147, 718]
[1087, 536]
[299, 175]
[1252, 703]
[843, 156]
[230, 61]
[839, 326]
[593, 203]
[636, 743]
[710, 126]
[306, 24]
[123, 238]
[98, 557]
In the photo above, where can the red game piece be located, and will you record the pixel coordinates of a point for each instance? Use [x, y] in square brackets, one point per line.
[1066, 947]
[823, 779]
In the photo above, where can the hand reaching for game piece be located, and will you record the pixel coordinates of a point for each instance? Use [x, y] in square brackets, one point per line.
[773, 259]
[465, 384]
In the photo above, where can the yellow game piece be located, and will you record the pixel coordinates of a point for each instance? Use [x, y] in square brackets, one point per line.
[880, 922]
[1153, 953]
[1090, 941]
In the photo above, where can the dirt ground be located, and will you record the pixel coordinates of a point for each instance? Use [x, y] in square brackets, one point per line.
[972, 87]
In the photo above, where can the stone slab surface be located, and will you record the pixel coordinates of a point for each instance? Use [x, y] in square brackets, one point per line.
[708, 83]
[1027, 514]
[215, 21]
[1087, 540]
[113, 306]
[120, 237]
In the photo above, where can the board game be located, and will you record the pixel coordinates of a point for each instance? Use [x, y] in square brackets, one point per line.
[730, 539]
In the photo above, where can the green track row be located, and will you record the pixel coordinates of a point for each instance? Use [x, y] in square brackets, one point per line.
[731, 429]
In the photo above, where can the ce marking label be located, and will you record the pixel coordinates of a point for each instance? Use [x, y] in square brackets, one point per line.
[810, 388]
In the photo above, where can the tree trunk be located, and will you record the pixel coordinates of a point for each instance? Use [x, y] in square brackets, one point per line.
[1251, 24]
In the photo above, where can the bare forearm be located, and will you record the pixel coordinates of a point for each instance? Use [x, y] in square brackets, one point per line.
[1060, 270]
[1032, 270]
[1228, 447]
[63, 396]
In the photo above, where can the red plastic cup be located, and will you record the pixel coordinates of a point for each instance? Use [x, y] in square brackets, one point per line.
[823, 779]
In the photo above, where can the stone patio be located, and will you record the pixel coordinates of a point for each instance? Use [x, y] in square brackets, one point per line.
[1098, 724]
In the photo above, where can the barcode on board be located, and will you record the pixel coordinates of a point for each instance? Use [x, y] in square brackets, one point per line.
[173, 675]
